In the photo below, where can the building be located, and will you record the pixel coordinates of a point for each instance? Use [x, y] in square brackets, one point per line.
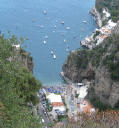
[86, 107]
[56, 102]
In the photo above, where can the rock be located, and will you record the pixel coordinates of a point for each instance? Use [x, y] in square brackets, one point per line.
[97, 17]
[27, 60]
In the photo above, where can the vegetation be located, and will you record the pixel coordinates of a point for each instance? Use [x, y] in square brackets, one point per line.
[48, 105]
[96, 34]
[102, 55]
[82, 59]
[62, 117]
[18, 87]
[117, 105]
[112, 5]
[105, 119]
[98, 104]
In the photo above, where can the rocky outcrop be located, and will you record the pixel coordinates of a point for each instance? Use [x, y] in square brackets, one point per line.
[24, 58]
[97, 17]
[27, 60]
[71, 68]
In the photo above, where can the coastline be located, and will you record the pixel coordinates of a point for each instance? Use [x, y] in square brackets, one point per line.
[96, 16]
[100, 33]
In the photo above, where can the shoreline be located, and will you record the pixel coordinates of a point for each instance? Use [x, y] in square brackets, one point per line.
[100, 33]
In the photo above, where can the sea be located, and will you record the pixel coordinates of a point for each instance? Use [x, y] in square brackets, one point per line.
[53, 27]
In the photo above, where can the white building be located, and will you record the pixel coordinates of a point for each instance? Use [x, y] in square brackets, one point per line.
[54, 98]
[56, 102]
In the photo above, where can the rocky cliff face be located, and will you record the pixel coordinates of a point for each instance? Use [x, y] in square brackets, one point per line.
[27, 60]
[97, 17]
[100, 65]
[24, 57]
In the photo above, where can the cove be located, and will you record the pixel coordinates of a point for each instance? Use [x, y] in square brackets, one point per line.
[25, 18]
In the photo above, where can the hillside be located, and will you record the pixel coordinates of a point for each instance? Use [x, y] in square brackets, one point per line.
[99, 65]
[18, 86]
[111, 5]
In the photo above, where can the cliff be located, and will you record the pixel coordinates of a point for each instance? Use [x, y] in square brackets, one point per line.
[26, 60]
[97, 16]
[100, 66]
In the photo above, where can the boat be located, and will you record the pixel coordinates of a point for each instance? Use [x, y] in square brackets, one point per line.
[68, 28]
[62, 22]
[54, 56]
[84, 21]
[44, 41]
[44, 12]
[64, 41]
[51, 52]
[67, 49]
[55, 26]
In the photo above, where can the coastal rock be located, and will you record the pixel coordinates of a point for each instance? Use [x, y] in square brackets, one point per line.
[24, 58]
[97, 17]
[27, 60]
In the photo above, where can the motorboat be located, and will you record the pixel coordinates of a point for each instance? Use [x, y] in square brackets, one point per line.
[44, 12]
[68, 28]
[84, 21]
[64, 41]
[54, 56]
[44, 42]
[62, 22]
[51, 52]
[55, 26]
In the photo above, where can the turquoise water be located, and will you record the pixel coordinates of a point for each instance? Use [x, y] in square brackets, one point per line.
[25, 18]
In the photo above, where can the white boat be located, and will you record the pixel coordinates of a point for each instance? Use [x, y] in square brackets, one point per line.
[55, 26]
[64, 41]
[44, 12]
[67, 49]
[44, 42]
[68, 28]
[51, 52]
[84, 21]
[62, 22]
[54, 56]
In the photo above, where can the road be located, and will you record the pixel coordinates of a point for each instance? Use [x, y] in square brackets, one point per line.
[44, 116]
